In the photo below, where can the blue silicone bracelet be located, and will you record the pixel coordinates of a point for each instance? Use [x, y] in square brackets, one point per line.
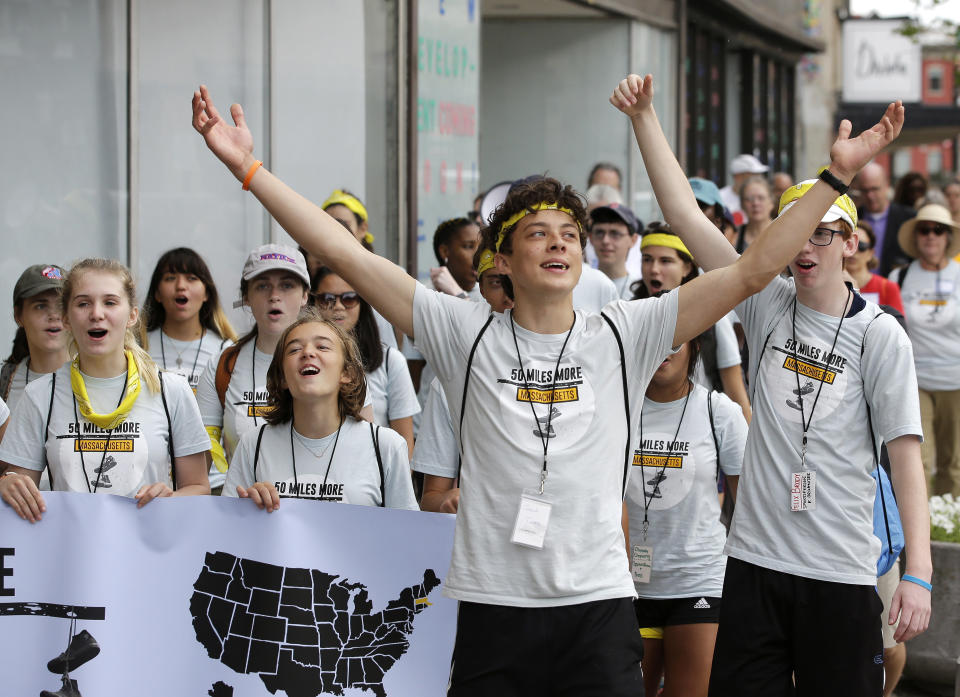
[919, 581]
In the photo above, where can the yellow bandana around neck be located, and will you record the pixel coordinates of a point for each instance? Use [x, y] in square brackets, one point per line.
[130, 393]
[520, 215]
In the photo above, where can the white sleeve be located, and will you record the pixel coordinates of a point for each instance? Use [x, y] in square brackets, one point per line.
[4, 412]
[397, 484]
[211, 411]
[647, 327]
[728, 350]
[401, 397]
[890, 380]
[731, 430]
[24, 440]
[241, 467]
[189, 435]
[435, 451]
[444, 329]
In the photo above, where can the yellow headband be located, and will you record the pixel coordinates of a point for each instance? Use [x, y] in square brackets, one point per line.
[843, 207]
[662, 239]
[339, 197]
[517, 217]
[486, 262]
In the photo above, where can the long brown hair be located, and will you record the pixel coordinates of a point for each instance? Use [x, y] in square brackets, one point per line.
[145, 365]
[352, 394]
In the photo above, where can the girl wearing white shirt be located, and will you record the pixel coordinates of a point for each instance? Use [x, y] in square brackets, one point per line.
[314, 444]
[185, 326]
[107, 422]
[388, 378]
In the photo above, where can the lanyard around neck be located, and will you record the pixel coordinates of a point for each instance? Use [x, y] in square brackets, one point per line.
[106, 445]
[544, 434]
[643, 479]
[293, 460]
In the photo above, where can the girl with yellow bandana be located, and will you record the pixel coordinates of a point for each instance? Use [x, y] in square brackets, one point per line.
[106, 422]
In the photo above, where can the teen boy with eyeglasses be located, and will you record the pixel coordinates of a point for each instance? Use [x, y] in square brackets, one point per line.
[800, 612]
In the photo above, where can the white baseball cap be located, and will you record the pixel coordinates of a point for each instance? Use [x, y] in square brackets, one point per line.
[747, 164]
[276, 257]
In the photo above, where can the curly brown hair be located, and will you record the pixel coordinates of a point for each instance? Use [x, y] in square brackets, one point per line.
[525, 194]
[352, 394]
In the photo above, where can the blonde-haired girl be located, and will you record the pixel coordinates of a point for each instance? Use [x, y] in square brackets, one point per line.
[107, 421]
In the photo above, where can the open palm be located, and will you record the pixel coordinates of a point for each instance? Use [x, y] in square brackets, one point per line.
[850, 154]
[231, 144]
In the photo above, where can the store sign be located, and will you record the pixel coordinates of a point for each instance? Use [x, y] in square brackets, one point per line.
[879, 64]
[448, 83]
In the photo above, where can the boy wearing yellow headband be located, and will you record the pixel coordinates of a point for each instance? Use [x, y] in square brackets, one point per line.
[800, 614]
[545, 414]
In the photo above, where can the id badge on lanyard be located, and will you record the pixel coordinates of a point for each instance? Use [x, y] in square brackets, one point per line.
[803, 491]
[533, 518]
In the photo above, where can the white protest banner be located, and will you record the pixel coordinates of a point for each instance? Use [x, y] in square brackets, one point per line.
[210, 596]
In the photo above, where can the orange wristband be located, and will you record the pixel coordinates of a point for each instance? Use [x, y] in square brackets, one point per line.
[250, 172]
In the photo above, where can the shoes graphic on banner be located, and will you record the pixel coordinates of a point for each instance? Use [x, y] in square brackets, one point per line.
[82, 648]
[69, 689]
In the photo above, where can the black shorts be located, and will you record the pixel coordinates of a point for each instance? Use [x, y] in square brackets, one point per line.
[586, 650]
[657, 613]
[777, 629]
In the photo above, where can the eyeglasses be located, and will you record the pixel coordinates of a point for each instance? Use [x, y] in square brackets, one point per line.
[823, 236]
[937, 230]
[864, 246]
[349, 300]
[614, 235]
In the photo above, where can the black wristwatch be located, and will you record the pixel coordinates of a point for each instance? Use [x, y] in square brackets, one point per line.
[829, 177]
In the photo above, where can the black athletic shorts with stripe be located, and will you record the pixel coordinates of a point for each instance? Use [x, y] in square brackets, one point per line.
[782, 635]
[585, 650]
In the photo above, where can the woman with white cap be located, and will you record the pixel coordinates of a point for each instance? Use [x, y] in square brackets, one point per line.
[232, 392]
[930, 287]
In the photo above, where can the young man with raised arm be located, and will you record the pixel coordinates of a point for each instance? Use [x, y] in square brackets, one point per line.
[552, 399]
[800, 613]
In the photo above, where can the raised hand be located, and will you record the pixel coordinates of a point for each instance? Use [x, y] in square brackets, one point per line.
[233, 145]
[848, 155]
[633, 95]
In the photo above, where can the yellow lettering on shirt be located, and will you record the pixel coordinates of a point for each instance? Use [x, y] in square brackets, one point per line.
[809, 370]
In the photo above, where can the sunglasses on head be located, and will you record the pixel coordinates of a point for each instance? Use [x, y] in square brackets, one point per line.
[932, 230]
[349, 300]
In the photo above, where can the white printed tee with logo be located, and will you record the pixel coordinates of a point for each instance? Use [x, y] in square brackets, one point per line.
[390, 389]
[930, 304]
[80, 456]
[679, 483]
[583, 556]
[354, 476]
[834, 541]
[244, 402]
[186, 358]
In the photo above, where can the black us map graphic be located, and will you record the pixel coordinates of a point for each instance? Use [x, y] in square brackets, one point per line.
[294, 627]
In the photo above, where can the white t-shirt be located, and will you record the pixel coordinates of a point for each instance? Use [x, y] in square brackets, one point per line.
[623, 285]
[22, 376]
[594, 290]
[834, 542]
[354, 476]
[683, 509]
[435, 451]
[933, 324]
[387, 336]
[186, 358]
[728, 350]
[4, 412]
[583, 557]
[137, 454]
[390, 389]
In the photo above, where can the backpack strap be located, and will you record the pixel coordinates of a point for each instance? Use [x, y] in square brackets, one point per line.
[225, 366]
[375, 435]
[6, 378]
[713, 429]
[166, 410]
[256, 452]
[902, 274]
[46, 428]
[466, 385]
[386, 362]
[756, 376]
[873, 437]
[626, 396]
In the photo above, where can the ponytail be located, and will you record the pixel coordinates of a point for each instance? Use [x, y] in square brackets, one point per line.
[21, 349]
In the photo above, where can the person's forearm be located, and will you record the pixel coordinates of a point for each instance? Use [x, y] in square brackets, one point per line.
[379, 281]
[733, 387]
[675, 197]
[192, 490]
[911, 491]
